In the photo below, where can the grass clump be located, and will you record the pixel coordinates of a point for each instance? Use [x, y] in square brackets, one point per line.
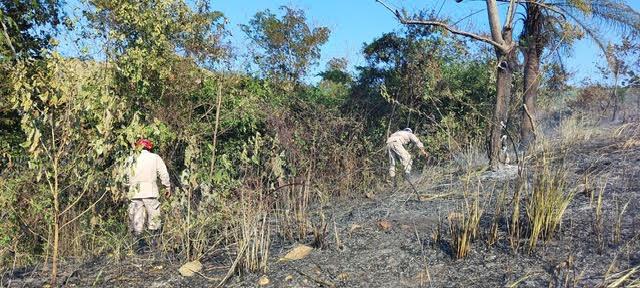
[546, 201]
[463, 226]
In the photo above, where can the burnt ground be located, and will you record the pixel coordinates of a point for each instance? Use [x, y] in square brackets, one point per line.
[410, 251]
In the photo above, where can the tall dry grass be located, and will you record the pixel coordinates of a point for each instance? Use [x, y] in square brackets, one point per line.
[575, 129]
[465, 222]
[493, 232]
[617, 225]
[546, 201]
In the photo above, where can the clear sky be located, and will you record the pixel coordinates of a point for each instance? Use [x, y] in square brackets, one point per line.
[354, 22]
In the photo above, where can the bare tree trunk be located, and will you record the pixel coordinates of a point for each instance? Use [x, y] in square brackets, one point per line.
[532, 53]
[505, 54]
[500, 113]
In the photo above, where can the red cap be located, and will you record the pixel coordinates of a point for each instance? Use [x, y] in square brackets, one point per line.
[145, 143]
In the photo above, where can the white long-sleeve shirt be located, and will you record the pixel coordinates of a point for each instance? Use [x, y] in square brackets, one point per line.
[143, 177]
[405, 137]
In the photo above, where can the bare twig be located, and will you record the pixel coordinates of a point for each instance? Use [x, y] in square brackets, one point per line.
[85, 211]
[315, 279]
[215, 130]
[233, 266]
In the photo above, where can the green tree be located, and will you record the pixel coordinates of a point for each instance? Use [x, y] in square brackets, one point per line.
[65, 128]
[624, 71]
[336, 71]
[147, 39]
[431, 82]
[288, 47]
[26, 28]
[501, 39]
[79, 118]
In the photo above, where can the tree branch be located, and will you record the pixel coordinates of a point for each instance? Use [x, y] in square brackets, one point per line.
[453, 30]
[445, 26]
[6, 36]
[84, 212]
[511, 12]
[494, 22]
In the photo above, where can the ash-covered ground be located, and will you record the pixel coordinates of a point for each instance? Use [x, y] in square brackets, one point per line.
[392, 239]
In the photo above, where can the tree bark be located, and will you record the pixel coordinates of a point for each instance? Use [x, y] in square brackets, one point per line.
[532, 52]
[530, 96]
[500, 113]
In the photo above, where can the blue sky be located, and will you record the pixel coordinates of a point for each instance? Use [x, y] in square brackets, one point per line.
[354, 22]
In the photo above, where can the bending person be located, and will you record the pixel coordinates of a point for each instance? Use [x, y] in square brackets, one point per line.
[397, 152]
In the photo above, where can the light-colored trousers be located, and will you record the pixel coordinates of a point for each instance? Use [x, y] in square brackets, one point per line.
[141, 211]
[398, 153]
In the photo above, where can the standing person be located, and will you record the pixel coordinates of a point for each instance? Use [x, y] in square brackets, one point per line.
[145, 206]
[397, 152]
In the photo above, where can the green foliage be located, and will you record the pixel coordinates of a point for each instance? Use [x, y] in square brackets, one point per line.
[426, 85]
[336, 72]
[236, 147]
[27, 27]
[288, 46]
[146, 35]
[80, 118]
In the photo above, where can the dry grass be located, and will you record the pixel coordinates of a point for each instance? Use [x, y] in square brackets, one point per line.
[292, 212]
[546, 201]
[576, 129]
[254, 236]
[463, 226]
[598, 221]
[473, 157]
[514, 223]
[460, 233]
[617, 225]
[492, 235]
[625, 278]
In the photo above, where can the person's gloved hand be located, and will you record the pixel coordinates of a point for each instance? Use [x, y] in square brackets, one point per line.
[424, 152]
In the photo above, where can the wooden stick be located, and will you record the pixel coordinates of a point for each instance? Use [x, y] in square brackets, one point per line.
[233, 266]
[317, 280]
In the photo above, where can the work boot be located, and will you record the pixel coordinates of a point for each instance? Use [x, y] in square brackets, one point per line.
[141, 246]
[155, 238]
